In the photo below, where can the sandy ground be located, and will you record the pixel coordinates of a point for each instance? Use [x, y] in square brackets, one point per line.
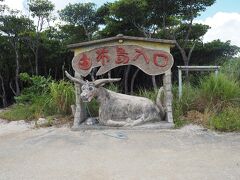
[59, 153]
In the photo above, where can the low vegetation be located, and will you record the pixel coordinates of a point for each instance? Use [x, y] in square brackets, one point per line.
[43, 97]
[213, 102]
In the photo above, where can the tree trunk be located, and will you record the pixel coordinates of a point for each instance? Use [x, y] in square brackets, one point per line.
[127, 70]
[17, 73]
[109, 74]
[36, 61]
[3, 96]
[185, 61]
[154, 83]
[133, 80]
[32, 67]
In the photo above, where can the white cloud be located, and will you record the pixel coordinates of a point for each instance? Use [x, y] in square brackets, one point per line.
[59, 4]
[224, 26]
[14, 4]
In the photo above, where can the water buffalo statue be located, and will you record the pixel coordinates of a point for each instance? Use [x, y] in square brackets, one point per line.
[118, 109]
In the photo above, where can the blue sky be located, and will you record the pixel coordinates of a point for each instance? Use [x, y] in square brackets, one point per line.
[223, 17]
[222, 6]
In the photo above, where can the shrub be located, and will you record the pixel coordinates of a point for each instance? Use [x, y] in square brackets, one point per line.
[62, 96]
[41, 97]
[184, 104]
[35, 86]
[231, 68]
[227, 120]
[219, 88]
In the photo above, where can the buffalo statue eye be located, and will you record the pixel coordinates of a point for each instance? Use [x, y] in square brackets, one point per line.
[90, 88]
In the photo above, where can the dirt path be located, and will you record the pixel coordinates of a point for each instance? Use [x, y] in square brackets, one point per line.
[58, 153]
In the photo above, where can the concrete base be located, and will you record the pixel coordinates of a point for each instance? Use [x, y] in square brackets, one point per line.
[157, 125]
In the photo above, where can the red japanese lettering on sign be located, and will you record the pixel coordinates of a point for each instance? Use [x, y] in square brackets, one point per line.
[140, 52]
[84, 63]
[102, 56]
[122, 56]
[163, 57]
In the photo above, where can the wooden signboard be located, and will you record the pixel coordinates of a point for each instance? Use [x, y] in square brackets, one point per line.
[152, 62]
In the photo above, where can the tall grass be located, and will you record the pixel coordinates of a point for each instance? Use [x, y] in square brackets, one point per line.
[220, 88]
[231, 68]
[112, 87]
[227, 120]
[184, 104]
[216, 101]
[42, 97]
[62, 96]
[150, 94]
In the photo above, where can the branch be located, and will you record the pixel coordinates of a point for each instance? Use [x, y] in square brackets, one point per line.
[142, 29]
[10, 85]
[188, 33]
[189, 30]
[191, 50]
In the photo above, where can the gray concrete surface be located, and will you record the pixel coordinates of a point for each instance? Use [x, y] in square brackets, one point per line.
[58, 153]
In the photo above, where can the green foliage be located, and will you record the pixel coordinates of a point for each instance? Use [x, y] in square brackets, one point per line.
[112, 87]
[41, 8]
[183, 105]
[62, 96]
[14, 26]
[231, 68]
[227, 120]
[35, 86]
[43, 97]
[150, 94]
[92, 108]
[18, 112]
[81, 14]
[189, 96]
[219, 88]
[212, 53]
[213, 103]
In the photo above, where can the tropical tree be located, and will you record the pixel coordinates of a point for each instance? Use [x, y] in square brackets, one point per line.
[41, 12]
[214, 53]
[83, 15]
[186, 33]
[5, 50]
[13, 27]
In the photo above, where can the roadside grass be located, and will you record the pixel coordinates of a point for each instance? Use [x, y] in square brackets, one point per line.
[42, 97]
[18, 112]
[228, 120]
[214, 103]
[62, 96]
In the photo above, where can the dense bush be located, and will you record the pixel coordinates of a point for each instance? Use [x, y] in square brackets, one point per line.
[211, 104]
[214, 103]
[34, 86]
[184, 104]
[42, 97]
[62, 96]
[219, 88]
[231, 68]
[227, 120]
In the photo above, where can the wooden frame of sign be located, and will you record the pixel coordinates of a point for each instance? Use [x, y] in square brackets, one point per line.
[152, 56]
